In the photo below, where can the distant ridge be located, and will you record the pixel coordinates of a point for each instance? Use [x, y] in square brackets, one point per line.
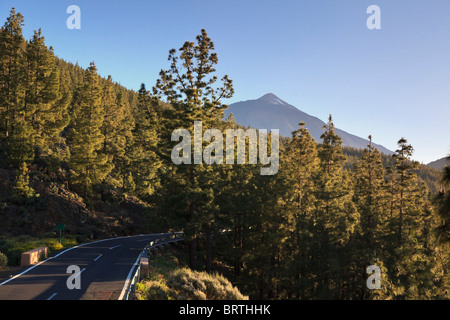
[439, 164]
[272, 112]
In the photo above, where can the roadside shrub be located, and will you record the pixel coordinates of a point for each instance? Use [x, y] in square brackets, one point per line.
[14, 247]
[53, 245]
[153, 290]
[194, 285]
[24, 238]
[185, 284]
[3, 260]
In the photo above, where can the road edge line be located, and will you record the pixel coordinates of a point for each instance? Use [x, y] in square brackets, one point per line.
[59, 254]
[127, 281]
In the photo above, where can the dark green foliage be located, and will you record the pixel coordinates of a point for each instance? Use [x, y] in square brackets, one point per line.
[144, 160]
[22, 188]
[3, 260]
[443, 201]
[89, 164]
[190, 89]
[424, 173]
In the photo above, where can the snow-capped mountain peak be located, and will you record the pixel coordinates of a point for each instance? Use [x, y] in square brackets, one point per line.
[273, 99]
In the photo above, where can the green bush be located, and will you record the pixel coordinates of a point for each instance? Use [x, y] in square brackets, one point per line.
[14, 247]
[3, 260]
[53, 244]
[153, 290]
[185, 284]
[194, 285]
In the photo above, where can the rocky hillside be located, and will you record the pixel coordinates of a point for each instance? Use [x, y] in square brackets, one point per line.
[112, 215]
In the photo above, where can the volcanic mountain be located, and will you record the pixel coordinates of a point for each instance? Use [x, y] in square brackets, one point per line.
[271, 112]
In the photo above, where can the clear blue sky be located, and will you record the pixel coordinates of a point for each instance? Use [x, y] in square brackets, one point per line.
[318, 55]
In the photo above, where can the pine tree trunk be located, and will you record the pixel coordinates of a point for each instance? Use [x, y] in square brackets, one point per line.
[400, 225]
[261, 287]
[208, 248]
[192, 245]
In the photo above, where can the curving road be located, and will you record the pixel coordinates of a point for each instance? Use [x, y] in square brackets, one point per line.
[105, 267]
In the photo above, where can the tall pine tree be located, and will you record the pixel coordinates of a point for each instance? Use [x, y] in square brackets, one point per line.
[88, 162]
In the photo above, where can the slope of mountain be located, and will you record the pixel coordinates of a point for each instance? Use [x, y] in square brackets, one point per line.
[439, 164]
[271, 112]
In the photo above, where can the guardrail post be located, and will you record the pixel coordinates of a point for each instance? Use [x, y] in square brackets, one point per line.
[142, 269]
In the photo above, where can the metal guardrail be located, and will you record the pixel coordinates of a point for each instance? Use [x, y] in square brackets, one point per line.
[136, 277]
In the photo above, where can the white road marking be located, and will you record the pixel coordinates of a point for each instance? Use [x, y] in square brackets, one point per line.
[82, 245]
[79, 273]
[127, 281]
[98, 257]
[52, 296]
[69, 249]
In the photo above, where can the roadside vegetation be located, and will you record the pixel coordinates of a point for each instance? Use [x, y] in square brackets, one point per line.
[3, 260]
[12, 248]
[171, 279]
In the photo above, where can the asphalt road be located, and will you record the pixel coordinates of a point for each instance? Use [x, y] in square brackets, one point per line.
[104, 268]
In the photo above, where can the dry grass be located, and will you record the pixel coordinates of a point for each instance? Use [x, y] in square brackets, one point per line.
[185, 284]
